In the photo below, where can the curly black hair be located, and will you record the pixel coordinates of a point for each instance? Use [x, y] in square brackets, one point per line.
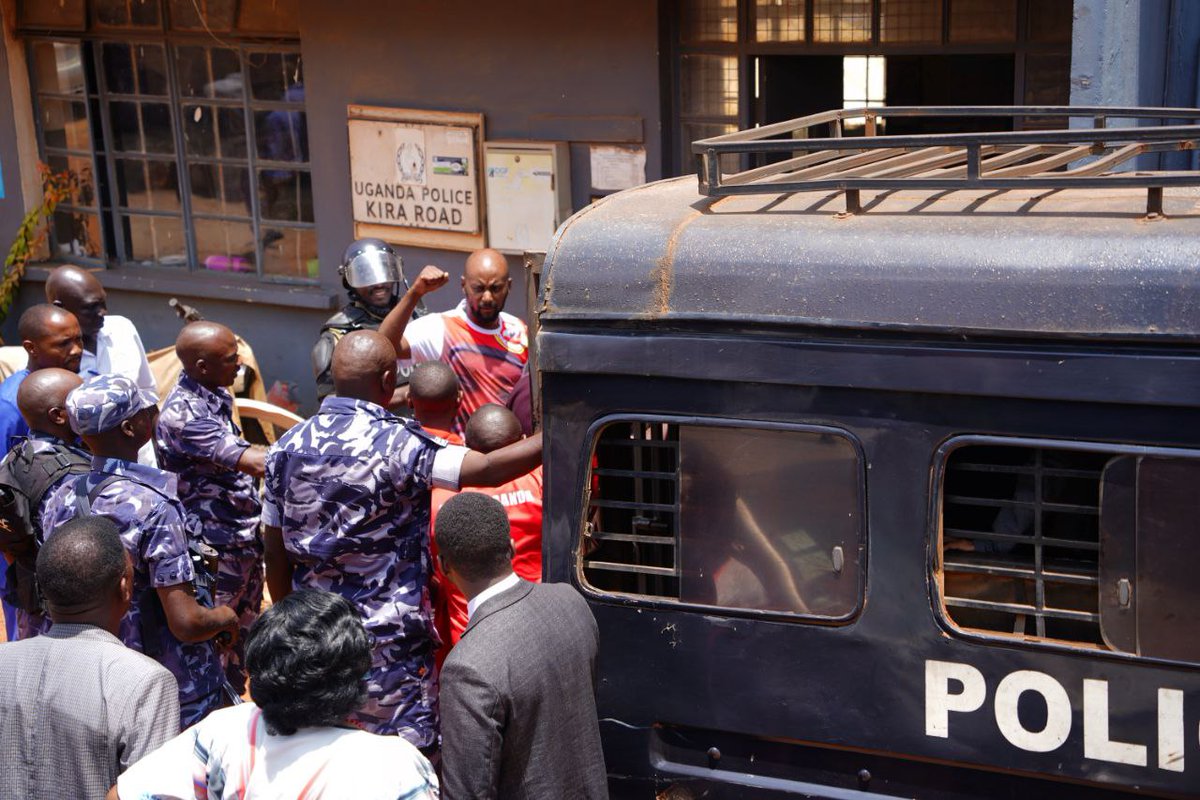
[473, 535]
[307, 657]
[81, 562]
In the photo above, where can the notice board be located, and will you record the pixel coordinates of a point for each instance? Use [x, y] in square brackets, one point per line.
[528, 193]
[416, 176]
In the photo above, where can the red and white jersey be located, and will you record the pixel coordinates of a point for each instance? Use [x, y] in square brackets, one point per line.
[488, 362]
[522, 499]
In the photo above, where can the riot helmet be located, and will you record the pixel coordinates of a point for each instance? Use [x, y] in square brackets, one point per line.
[369, 262]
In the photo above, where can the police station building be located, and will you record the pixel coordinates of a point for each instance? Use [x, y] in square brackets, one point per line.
[227, 151]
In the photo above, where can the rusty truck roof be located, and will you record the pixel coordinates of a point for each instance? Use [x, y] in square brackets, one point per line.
[1033, 262]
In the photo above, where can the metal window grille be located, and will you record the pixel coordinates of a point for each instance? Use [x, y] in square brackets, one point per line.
[709, 21]
[1020, 541]
[188, 154]
[916, 21]
[842, 20]
[780, 20]
[709, 85]
[633, 513]
[66, 118]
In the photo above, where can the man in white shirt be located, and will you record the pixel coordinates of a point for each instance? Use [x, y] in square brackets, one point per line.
[486, 346]
[111, 344]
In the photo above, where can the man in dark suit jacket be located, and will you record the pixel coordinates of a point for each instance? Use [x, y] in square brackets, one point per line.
[518, 690]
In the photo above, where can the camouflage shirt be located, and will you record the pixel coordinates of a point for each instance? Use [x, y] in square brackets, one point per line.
[38, 444]
[349, 488]
[198, 441]
[143, 505]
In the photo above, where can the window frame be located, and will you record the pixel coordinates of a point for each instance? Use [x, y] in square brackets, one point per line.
[112, 214]
[935, 540]
[591, 438]
[747, 49]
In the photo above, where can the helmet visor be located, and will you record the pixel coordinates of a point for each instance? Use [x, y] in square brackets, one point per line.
[371, 266]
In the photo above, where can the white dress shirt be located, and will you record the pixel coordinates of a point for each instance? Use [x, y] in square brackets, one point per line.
[119, 351]
[490, 592]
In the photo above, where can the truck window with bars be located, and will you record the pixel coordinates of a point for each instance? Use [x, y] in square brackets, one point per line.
[1068, 543]
[730, 517]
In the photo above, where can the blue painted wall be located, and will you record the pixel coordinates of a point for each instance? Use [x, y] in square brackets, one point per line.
[1137, 53]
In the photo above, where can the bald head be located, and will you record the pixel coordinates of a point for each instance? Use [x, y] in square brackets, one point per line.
[433, 383]
[51, 336]
[364, 367]
[42, 401]
[434, 395]
[486, 262]
[209, 353]
[492, 427]
[485, 285]
[79, 292]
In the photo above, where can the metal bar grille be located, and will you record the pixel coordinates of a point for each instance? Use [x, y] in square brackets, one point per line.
[1020, 544]
[633, 512]
[1038, 159]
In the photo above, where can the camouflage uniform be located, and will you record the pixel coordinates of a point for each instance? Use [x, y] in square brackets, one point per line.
[355, 316]
[38, 443]
[197, 439]
[350, 490]
[143, 504]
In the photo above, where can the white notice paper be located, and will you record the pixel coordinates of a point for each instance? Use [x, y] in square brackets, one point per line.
[616, 168]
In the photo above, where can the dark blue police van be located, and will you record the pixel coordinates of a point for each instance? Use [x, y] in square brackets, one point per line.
[878, 460]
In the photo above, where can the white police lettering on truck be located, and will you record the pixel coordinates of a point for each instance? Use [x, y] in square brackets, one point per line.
[954, 688]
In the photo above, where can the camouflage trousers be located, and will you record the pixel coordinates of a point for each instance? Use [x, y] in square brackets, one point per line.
[239, 586]
[401, 694]
[192, 711]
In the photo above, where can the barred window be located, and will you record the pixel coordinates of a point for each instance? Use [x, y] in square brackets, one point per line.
[191, 150]
[728, 517]
[1077, 544]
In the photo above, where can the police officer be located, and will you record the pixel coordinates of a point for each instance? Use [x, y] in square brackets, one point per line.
[115, 419]
[197, 439]
[28, 475]
[346, 510]
[372, 273]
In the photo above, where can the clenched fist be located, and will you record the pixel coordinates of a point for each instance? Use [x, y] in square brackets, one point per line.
[430, 279]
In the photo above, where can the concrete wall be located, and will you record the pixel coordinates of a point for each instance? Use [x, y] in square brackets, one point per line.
[1119, 52]
[1137, 53]
[536, 69]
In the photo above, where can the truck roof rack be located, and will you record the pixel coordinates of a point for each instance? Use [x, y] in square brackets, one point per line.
[1078, 157]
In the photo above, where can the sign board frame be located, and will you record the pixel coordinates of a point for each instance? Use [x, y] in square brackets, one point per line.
[557, 197]
[425, 119]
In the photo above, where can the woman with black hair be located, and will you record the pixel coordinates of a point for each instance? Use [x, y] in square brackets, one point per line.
[307, 658]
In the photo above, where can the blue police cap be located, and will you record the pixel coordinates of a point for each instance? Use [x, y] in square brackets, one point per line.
[103, 402]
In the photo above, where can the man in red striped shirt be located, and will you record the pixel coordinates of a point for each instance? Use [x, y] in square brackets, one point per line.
[486, 346]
